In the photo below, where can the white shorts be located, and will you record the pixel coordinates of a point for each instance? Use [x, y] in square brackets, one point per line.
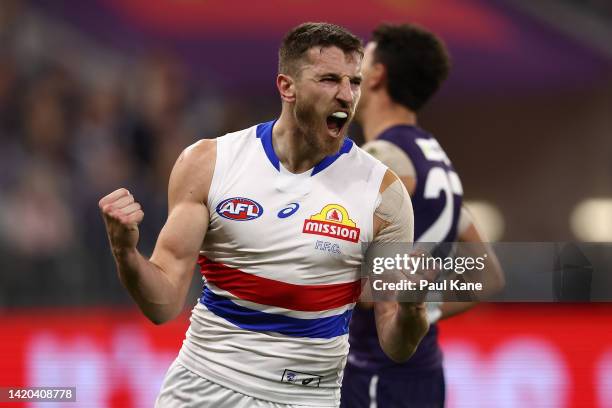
[184, 389]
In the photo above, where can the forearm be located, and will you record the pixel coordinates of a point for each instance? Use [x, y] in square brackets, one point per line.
[160, 285]
[156, 295]
[400, 328]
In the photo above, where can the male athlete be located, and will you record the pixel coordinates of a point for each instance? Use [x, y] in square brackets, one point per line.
[275, 216]
[403, 67]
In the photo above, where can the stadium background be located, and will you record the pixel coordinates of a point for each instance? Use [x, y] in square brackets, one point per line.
[105, 93]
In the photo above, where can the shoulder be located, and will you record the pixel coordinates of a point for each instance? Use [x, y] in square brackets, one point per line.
[389, 178]
[393, 221]
[363, 156]
[192, 173]
[381, 147]
[392, 156]
[247, 133]
[233, 143]
[199, 156]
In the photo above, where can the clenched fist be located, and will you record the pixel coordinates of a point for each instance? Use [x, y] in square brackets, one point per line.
[121, 215]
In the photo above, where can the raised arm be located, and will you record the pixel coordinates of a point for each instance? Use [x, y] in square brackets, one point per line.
[159, 285]
[400, 326]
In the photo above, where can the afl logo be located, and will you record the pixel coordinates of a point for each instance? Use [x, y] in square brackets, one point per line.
[239, 209]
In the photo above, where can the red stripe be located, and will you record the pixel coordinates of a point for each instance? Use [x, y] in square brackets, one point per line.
[270, 292]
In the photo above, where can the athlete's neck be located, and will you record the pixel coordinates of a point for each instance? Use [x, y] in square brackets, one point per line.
[381, 113]
[292, 150]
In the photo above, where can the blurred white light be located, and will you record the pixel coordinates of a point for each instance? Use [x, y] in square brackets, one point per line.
[488, 218]
[591, 220]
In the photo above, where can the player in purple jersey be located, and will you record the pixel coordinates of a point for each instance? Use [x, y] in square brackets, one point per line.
[403, 67]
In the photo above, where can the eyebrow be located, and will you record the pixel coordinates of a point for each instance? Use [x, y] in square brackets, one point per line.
[338, 77]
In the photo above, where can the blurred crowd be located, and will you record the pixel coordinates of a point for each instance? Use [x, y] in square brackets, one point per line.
[77, 122]
[79, 119]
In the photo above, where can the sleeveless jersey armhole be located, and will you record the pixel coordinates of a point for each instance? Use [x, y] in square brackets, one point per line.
[218, 174]
[376, 177]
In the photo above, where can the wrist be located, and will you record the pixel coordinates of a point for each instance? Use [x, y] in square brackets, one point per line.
[124, 254]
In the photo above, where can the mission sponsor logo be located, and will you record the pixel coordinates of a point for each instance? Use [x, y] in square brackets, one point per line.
[333, 221]
[239, 209]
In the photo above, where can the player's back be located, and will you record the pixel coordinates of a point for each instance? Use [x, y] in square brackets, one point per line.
[281, 265]
[436, 202]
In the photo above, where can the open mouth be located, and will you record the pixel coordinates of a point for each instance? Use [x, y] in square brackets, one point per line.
[336, 121]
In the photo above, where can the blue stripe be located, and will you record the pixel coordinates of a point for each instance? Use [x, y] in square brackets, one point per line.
[264, 132]
[248, 319]
[327, 161]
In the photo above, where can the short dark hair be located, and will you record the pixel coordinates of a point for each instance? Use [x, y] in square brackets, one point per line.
[417, 62]
[307, 35]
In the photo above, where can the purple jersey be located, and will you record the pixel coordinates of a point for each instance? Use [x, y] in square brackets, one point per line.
[436, 201]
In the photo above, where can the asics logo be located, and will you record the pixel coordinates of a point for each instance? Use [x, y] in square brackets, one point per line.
[289, 210]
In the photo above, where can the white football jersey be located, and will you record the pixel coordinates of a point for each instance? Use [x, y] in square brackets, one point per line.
[281, 268]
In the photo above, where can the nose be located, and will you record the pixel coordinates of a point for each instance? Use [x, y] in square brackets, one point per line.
[345, 92]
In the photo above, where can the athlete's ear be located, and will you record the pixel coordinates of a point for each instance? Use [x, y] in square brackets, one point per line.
[377, 75]
[286, 87]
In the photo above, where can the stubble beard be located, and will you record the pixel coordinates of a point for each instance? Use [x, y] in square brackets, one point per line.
[309, 124]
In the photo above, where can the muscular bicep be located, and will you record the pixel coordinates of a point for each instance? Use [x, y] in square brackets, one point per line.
[393, 217]
[181, 237]
[395, 159]
[180, 240]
